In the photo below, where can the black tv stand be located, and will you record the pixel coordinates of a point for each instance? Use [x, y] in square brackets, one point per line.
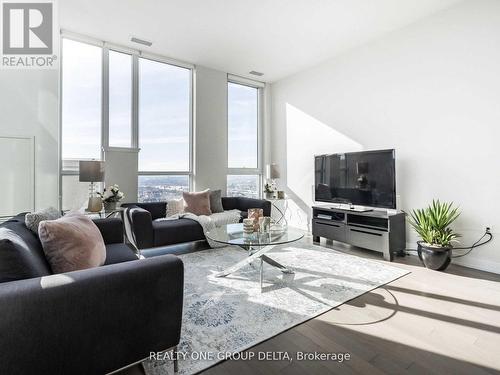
[375, 230]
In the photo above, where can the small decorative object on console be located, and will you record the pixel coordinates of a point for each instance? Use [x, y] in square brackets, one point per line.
[281, 194]
[255, 214]
[247, 226]
[111, 196]
[264, 224]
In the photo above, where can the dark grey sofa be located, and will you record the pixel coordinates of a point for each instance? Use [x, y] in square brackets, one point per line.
[151, 233]
[85, 322]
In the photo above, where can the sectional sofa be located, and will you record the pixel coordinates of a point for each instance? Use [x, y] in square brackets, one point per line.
[150, 232]
[93, 321]
[102, 319]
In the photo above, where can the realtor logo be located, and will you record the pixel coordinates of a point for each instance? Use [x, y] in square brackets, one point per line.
[27, 28]
[28, 34]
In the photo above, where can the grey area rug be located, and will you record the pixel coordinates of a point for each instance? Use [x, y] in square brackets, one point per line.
[231, 314]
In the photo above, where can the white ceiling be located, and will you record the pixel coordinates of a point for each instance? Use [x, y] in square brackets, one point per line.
[276, 37]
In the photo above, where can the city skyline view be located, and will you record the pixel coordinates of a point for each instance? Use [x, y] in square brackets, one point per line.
[168, 187]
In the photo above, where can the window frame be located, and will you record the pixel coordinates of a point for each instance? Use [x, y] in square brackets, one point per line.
[71, 169]
[260, 86]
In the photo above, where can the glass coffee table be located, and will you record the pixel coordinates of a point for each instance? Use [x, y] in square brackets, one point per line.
[256, 244]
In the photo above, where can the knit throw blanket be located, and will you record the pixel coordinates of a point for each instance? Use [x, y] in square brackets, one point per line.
[211, 222]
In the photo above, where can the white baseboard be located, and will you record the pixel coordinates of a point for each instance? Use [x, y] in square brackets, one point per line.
[478, 264]
[483, 265]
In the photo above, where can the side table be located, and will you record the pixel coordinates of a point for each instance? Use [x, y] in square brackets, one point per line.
[281, 211]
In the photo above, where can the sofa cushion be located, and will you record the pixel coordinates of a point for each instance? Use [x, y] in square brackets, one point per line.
[197, 203]
[72, 243]
[118, 253]
[157, 209]
[243, 204]
[168, 232]
[32, 241]
[20, 256]
[216, 201]
[19, 217]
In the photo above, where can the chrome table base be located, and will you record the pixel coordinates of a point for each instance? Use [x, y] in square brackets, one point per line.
[253, 256]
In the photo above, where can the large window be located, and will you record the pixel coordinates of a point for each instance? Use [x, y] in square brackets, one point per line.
[243, 140]
[165, 130]
[243, 124]
[162, 187]
[112, 98]
[81, 101]
[164, 117]
[120, 99]
[81, 113]
[243, 186]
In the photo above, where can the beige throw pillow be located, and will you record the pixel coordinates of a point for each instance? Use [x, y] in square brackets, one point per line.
[198, 203]
[72, 243]
[175, 207]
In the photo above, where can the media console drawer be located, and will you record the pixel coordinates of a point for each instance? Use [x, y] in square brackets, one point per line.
[368, 238]
[329, 229]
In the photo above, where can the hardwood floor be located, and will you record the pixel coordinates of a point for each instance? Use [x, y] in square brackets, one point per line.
[426, 322]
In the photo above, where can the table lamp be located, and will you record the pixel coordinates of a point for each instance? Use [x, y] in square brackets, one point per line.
[272, 172]
[92, 171]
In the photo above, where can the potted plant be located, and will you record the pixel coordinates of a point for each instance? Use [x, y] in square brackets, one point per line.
[432, 224]
[111, 196]
[269, 190]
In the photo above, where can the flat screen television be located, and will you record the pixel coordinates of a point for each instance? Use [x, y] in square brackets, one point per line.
[366, 178]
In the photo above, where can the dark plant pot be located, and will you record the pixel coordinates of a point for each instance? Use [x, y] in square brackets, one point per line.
[269, 195]
[434, 258]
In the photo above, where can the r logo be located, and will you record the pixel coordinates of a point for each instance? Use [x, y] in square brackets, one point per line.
[27, 28]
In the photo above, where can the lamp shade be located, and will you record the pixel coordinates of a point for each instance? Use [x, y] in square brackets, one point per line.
[91, 171]
[272, 171]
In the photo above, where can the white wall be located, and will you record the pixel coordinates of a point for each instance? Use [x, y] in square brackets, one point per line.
[29, 108]
[432, 91]
[210, 129]
[121, 168]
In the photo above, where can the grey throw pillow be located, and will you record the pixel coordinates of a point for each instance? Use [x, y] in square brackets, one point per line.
[33, 219]
[216, 201]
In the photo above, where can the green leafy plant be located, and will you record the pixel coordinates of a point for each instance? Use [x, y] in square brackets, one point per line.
[432, 224]
[111, 194]
[269, 188]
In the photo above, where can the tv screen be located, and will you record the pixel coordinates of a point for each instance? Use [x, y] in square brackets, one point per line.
[365, 178]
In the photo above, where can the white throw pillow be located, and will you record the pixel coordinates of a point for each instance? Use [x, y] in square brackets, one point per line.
[175, 207]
